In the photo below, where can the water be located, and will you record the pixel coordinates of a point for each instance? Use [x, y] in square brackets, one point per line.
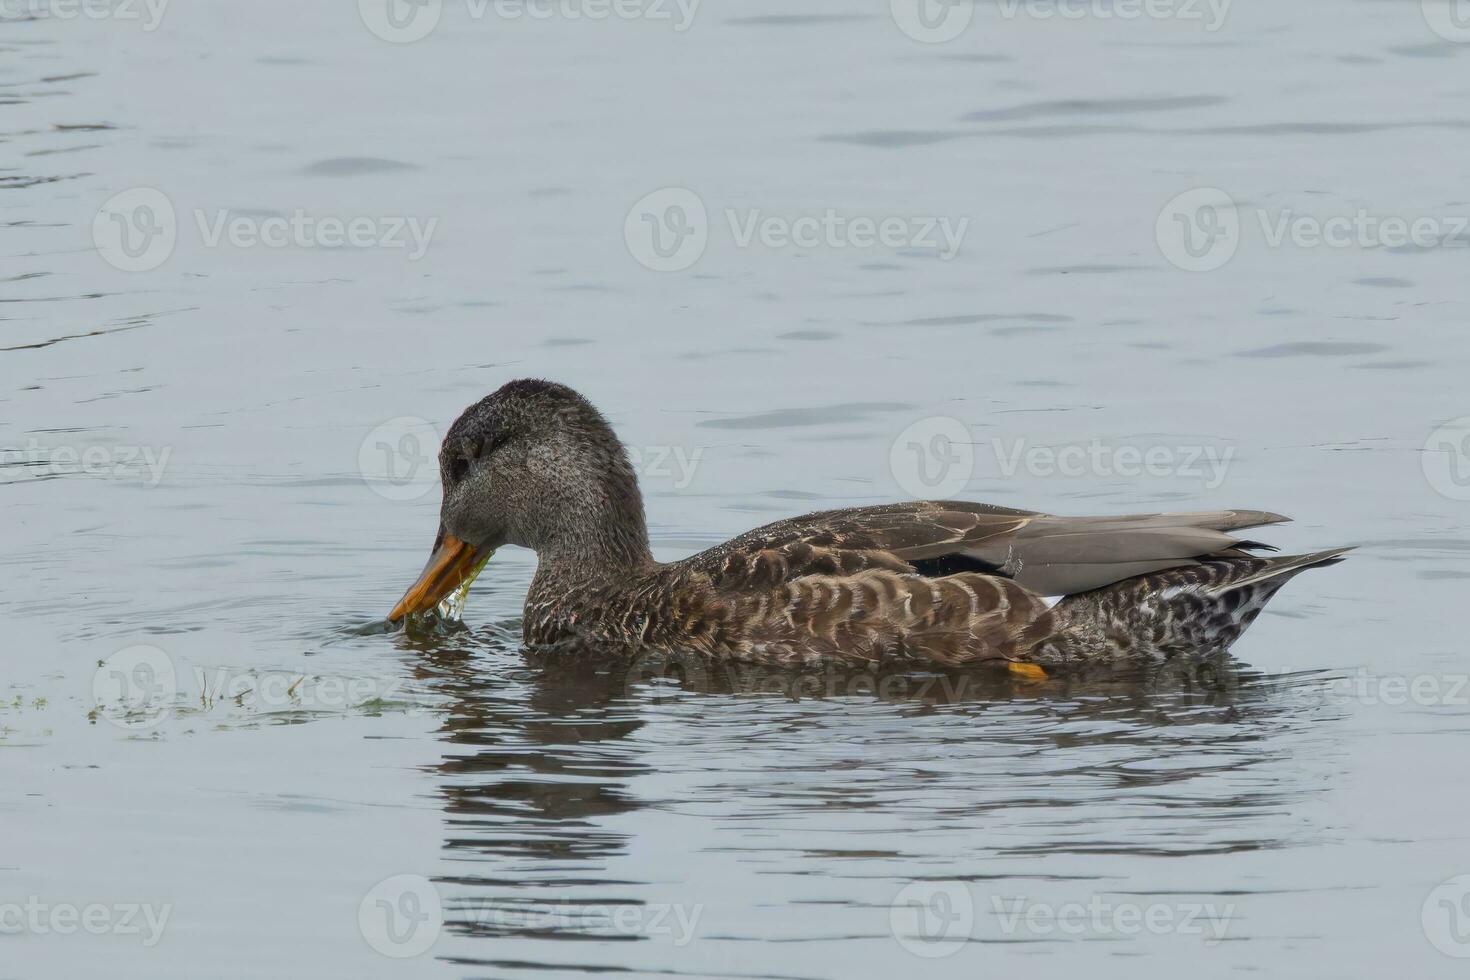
[217, 481]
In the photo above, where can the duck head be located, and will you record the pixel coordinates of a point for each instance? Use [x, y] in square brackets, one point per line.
[532, 465]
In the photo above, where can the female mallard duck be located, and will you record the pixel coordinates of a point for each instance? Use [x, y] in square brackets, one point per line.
[946, 582]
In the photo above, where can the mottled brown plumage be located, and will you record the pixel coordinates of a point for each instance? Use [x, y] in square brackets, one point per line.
[939, 582]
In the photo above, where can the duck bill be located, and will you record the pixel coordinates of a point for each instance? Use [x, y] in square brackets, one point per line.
[452, 564]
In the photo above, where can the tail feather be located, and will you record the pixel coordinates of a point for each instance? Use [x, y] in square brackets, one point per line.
[1202, 608]
[1282, 569]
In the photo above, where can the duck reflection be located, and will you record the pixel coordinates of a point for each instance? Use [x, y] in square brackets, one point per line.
[1206, 688]
[526, 752]
[547, 753]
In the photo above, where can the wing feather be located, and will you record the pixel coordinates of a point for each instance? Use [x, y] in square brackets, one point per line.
[945, 581]
[1048, 554]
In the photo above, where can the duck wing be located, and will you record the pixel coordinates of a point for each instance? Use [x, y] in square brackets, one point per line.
[1043, 553]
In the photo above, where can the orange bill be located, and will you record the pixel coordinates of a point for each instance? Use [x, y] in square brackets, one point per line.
[449, 566]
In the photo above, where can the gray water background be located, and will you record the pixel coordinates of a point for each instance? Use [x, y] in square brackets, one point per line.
[1295, 784]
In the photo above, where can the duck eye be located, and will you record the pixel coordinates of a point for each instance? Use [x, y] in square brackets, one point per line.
[459, 468]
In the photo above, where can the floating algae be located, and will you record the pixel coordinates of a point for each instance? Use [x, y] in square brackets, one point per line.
[451, 607]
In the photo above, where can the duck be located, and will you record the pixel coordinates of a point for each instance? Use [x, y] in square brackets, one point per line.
[936, 583]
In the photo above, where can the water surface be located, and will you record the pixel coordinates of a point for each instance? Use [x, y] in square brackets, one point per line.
[186, 448]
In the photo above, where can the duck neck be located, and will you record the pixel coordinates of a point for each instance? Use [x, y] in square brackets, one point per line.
[595, 553]
[602, 538]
